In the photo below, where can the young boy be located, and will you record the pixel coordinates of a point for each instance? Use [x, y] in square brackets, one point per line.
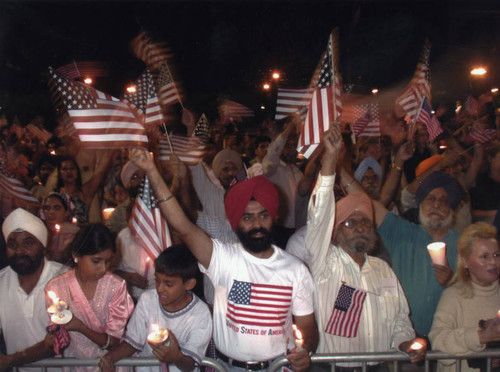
[171, 306]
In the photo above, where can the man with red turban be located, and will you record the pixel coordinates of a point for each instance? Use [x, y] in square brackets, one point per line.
[251, 278]
[359, 303]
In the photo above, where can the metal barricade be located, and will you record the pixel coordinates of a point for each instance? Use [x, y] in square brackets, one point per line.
[126, 362]
[395, 357]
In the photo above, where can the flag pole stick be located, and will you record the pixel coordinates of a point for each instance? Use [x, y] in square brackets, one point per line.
[175, 85]
[168, 138]
[334, 74]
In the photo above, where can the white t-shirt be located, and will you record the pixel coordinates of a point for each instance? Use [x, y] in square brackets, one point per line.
[191, 326]
[23, 317]
[255, 299]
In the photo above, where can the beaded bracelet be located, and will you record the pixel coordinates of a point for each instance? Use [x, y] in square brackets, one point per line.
[158, 201]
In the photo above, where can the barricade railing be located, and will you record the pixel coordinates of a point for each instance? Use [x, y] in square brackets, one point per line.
[126, 362]
[395, 357]
[333, 359]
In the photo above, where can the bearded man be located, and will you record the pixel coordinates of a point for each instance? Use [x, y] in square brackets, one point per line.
[360, 304]
[423, 281]
[252, 278]
[23, 315]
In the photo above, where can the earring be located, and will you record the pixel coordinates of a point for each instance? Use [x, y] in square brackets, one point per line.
[75, 259]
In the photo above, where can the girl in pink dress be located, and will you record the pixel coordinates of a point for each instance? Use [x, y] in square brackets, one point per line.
[98, 299]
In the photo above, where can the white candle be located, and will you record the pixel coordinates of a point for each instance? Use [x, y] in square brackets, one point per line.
[146, 268]
[437, 250]
[157, 335]
[58, 232]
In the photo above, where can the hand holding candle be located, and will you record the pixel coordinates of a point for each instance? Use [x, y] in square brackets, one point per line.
[437, 251]
[299, 340]
[59, 313]
[106, 213]
[157, 335]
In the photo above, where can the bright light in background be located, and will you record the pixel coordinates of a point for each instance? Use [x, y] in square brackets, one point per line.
[276, 75]
[88, 81]
[262, 107]
[374, 91]
[433, 112]
[494, 90]
[266, 86]
[478, 71]
[131, 89]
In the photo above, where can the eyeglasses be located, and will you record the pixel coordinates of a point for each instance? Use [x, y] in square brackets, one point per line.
[353, 223]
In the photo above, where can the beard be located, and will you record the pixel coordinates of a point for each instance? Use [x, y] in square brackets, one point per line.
[25, 265]
[360, 243]
[254, 245]
[428, 223]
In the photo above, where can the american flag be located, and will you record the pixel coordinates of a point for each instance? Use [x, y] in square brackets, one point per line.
[366, 120]
[190, 150]
[41, 133]
[168, 93]
[147, 225]
[431, 122]
[262, 305]
[230, 111]
[471, 105]
[100, 120]
[153, 54]
[16, 190]
[483, 136]
[76, 70]
[201, 129]
[325, 105]
[292, 100]
[146, 99]
[420, 86]
[346, 313]
[240, 176]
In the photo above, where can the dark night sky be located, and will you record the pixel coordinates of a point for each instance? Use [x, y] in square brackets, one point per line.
[228, 48]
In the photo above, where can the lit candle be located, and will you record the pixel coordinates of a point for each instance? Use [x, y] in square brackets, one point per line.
[498, 314]
[53, 152]
[157, 335]
[58, 232]
[416, 346]
[58, 310]
[146, 268]
[299, 341]
[437, 250]
[74, 220]
[107, 212]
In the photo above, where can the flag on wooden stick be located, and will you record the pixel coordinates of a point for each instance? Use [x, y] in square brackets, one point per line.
[190, 150]
[366, 120]
[230, 111]
[292, 100]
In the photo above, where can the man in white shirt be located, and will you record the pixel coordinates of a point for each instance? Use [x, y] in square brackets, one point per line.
[359, 303]
[23, 315]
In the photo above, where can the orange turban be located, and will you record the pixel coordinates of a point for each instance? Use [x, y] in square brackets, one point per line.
[258, 188]
[427, 164]
[357, 201]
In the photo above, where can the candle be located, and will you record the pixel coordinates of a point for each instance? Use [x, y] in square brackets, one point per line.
[416, 346]
[498, 314]
[146, 268]
[57, 304]
[53, 152]
[157, 335]
[299, 341]
[107, 212]
[74, 220]
[58, 232]
[437, 250]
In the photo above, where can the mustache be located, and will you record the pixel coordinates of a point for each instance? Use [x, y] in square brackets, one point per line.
[257, 231]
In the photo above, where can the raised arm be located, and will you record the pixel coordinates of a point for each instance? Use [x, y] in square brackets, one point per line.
[198, 242]
[90, 187]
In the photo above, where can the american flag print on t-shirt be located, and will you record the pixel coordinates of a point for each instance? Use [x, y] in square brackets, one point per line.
[344, 320]
[263, 305]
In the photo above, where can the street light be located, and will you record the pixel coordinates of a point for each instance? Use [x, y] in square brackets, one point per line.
[478, 71]
[131, 89]
[266, 86]
[87, 81]
[276, 75]
[374, 91]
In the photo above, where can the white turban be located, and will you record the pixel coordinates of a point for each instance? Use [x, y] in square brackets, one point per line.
[22, 220]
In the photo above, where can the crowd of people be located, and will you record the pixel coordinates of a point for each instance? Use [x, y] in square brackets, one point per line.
[263, 240]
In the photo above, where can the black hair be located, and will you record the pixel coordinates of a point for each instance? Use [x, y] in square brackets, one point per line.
[58, 196]
[92, 239]
[261, 139]
[60, 182]
[177, 260]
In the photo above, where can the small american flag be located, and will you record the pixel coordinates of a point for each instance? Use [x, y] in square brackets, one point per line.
[346, 313]
[367, 121]
[292, 100]
[20, 194]
[153, 54]
[431, 122]
[420, 86]
[230, 111]
[201, 129]
[100, 120]
[190, 150]
[77, 70]
[147, 225]
[41, 133]
[146, 99]
[471, 105]
[325, 105]
[262, 305]
[167, 89]
[483, 136]
[240, 176]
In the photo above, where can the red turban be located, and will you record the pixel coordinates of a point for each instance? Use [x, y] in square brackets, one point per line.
[258, 188]
[357, 201]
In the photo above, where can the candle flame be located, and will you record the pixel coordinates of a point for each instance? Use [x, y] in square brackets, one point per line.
[53, 296]
[52, 152]
[155, 327]
[74, 220]
[298, 335]
[148, 259]
[416, 346]
[58, 227]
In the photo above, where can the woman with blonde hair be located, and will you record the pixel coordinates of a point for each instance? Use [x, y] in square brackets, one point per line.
[465, 320]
